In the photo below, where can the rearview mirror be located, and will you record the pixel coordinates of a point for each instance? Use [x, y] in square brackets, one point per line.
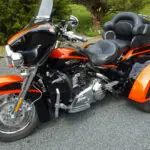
[73, 21]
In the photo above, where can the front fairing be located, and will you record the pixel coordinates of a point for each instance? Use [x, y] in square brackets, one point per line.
[39, 23]
[33, 43]
[37, 38]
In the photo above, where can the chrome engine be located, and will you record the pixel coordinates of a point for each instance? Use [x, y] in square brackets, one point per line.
[94, 92]
[86, 89]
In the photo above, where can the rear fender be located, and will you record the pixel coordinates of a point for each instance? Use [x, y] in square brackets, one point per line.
[140, 91]
[11, 84]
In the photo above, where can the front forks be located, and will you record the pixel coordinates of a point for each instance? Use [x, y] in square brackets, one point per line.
[24, 89]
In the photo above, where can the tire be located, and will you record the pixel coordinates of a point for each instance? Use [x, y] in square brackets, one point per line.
[145, 107]
[8, 133]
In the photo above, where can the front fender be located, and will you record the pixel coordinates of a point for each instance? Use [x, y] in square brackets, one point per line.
[140, 91]
[11, 84]
[6, 80]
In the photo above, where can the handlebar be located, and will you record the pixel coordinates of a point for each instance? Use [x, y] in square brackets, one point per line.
[79, 38]
[71, 36]
[62, 29]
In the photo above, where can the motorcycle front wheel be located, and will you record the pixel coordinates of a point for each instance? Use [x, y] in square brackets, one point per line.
[19, 126]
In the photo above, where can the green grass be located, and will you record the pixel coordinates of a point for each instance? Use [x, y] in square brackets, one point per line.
[1, 53]
[146, 10]
[1, 50]
[85, 20]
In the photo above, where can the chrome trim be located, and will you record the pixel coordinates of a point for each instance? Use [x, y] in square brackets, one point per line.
[57, 104]
[8, 50]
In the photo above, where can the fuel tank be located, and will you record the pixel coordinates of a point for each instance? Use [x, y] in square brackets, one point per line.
[67, 53]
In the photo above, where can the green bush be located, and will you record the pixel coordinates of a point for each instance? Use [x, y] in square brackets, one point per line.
[63, 9]
[14, 15]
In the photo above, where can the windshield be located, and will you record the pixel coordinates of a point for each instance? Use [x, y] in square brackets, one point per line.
[45, 9]
[43, 14]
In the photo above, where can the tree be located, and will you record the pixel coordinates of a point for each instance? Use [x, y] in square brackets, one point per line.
[99, 8]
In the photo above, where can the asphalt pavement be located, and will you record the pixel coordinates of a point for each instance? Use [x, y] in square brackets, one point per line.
[113, 124]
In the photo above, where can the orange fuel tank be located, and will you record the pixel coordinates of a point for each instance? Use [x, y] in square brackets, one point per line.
[67, 53]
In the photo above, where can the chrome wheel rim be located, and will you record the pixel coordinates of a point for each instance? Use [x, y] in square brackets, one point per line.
[9, 125]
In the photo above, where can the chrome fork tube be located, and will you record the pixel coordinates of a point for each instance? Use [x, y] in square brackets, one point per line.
[24, 89]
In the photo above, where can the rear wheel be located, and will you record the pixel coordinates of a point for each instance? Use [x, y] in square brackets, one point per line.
[20, 126]
[143, 106]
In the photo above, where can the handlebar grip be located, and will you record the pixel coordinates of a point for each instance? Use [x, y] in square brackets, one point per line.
[81, 38]
[72, 36]
[84, 40]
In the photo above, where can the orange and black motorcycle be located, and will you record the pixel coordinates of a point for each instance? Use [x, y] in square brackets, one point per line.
[56, 78]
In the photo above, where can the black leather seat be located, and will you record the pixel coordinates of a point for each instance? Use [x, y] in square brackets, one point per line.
[123, 32]
[122, 45]
[127, 27]
[101, 52]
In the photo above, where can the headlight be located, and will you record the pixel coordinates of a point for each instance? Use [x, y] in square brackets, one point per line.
[13, 59]
[8, 56]
[17, 59]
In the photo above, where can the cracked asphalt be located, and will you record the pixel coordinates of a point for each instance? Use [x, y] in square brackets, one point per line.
[113, 124]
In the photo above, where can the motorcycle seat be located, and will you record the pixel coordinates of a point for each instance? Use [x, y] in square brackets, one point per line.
[101, 52]
[127, 29]
[122, 45]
